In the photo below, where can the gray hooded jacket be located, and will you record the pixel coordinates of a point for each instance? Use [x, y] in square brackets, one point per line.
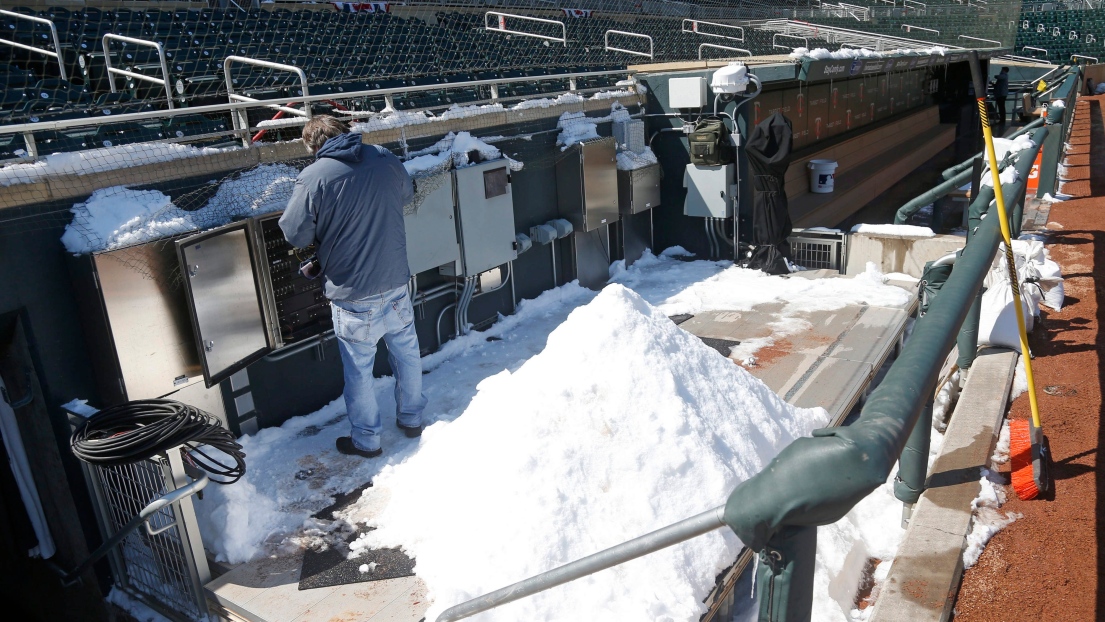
[350, 202]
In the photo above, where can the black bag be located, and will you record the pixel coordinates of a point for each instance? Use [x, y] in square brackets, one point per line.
[710, 144]
[932, 280]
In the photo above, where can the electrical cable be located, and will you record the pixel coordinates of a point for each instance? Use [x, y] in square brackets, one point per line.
[139, 430]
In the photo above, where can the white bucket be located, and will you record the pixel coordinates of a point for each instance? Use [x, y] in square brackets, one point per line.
[822, 173]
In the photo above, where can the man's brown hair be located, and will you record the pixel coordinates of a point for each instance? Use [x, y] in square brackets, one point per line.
[321, 129]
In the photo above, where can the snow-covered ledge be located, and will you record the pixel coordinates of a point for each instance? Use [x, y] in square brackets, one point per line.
[901, 249]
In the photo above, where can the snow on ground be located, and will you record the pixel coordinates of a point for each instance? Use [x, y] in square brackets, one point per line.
[137, 609]
[622, 424]
[294, 471]
[987, 519]
[899, 231]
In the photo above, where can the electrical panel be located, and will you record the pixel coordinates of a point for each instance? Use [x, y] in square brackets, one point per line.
[687, 93]
[485, 211]
[299, 308]
[709, 190]
[430, 224]
[639, 189]
[587, 184]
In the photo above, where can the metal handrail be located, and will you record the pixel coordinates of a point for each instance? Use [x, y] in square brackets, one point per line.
[720, 47]
[606, 41]
[1027, 59]
[111, 71]
[911, 28]
[232, 96]
[978, 39]
[923, 6]
[649, 543]
[240, 118]
[839, 33]
[774, 37]
[1073, 57]
[237, 108]
[1029, 47]
[502, 26]
[694, 29]
[30, 48]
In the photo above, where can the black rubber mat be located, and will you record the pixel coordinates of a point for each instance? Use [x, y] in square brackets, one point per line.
[721, 345]
[679, 319]
[330, 568]
[341, 502]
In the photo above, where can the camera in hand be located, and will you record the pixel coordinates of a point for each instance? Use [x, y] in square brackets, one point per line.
[310, 268]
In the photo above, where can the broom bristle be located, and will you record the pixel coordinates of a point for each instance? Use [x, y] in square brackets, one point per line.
[1020, 460]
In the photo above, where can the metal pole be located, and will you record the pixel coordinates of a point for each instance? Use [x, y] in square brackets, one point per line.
[637, 547]
[913, 464]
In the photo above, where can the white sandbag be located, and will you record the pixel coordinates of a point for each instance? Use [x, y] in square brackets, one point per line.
[1049, 270]
[997, 324]
[1054, 294]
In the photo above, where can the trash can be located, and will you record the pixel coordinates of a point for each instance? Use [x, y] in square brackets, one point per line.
[822, 173]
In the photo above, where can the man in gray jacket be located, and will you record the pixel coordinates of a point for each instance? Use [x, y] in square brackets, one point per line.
[350, 203]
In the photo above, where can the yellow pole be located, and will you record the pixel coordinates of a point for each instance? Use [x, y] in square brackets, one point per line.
[1011, 263]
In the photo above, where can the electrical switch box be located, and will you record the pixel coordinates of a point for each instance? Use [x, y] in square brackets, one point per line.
[639, 189]
[630, 134]
[431, 227]
[587, 184]
[485, 213]
[687, 93]
[708, 191]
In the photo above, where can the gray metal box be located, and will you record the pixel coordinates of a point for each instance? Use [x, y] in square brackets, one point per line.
[485, 210]
[708, 189]
[587, 184]
[228, 318]
[630, 134]
[431, 227]
[639, 189]
[135, 317]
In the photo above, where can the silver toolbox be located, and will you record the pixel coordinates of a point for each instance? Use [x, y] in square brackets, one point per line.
[639, 189]
[485, 210]
[587, 184]
[431, 227]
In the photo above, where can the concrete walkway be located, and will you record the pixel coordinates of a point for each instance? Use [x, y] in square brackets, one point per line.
[925, 576]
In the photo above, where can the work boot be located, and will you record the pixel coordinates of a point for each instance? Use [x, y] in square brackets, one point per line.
[345, 446]
[411, 432]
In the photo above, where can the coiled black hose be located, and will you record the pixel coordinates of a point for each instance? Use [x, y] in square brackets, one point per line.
[139, 430]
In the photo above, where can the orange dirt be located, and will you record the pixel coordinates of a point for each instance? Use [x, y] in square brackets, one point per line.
[1048, 565]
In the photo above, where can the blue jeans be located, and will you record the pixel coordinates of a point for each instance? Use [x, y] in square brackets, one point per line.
[359, 325]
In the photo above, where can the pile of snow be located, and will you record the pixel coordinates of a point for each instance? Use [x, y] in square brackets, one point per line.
[623, 424]
[630, 161]
[577, 127]
[101, 160]
[1003, 147]
[801, 53]
[294, 470]
[390, 119]
[987, 519]
[119, 216]
[454, 150]
[895, 231]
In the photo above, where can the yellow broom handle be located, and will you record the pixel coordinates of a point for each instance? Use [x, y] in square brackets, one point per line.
[1003, 220]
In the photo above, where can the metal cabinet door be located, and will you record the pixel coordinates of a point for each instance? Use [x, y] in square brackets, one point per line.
[485, 206]
[223, 300]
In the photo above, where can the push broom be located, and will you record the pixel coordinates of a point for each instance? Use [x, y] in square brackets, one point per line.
[1027, 444]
